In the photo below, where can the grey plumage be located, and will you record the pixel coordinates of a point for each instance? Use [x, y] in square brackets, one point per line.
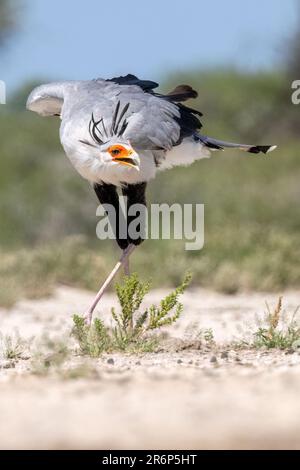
[127, 110]
[79, 100]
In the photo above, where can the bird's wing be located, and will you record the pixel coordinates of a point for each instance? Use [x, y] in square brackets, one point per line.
[154, 121]
[48, 100]
[114, 109]
[150, 120]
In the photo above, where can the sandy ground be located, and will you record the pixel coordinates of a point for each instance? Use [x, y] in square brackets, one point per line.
[219, 398]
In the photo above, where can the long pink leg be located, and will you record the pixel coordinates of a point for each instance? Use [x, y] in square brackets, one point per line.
[127, 273]
[126, 253]
[126, 267]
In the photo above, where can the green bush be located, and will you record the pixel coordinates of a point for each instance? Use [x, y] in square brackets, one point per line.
[131, 330]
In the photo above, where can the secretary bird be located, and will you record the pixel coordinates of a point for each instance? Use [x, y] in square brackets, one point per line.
[119, 132]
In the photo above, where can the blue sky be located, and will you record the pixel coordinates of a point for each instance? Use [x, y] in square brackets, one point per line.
[68, 39]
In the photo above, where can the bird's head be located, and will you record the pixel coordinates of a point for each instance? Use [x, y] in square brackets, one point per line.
[116, 152]
[112, 147]
[120, 153]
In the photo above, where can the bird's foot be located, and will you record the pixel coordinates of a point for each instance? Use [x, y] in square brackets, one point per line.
[88, 317]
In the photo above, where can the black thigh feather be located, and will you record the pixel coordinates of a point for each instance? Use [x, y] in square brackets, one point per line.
[135, 194]
[107, 194]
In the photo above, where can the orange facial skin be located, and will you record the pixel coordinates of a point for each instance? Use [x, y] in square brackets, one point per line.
[118, 151]
[121, 155]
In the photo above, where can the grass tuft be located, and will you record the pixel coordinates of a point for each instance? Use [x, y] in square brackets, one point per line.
[12, 346]
[279, 331]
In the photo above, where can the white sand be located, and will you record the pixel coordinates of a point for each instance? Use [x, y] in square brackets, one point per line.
[165, 400]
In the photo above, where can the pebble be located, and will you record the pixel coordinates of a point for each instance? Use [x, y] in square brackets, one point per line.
[8, 364]
[213, 359]
[290, 351]
[110, 361]
[224, 355]
[179, 361]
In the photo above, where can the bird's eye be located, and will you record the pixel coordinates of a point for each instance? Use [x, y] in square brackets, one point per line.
[115, 152]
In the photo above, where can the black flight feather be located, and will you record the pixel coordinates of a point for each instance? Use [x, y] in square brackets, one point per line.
[130, 79]
[181, 93]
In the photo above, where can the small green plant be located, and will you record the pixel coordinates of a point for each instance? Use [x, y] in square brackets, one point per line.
[92, 340]
[208, 336]
[278, 331]
[196, 338]
[132, 329]
[12, 346]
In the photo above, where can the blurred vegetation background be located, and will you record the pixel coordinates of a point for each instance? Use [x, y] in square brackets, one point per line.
[252, 211]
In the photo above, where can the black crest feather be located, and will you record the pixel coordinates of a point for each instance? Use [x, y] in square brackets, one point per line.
[118, 125]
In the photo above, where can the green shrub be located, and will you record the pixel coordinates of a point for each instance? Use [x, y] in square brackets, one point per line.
[133, 328]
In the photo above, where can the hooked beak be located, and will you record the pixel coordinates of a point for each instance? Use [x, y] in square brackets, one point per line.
[130, 159]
